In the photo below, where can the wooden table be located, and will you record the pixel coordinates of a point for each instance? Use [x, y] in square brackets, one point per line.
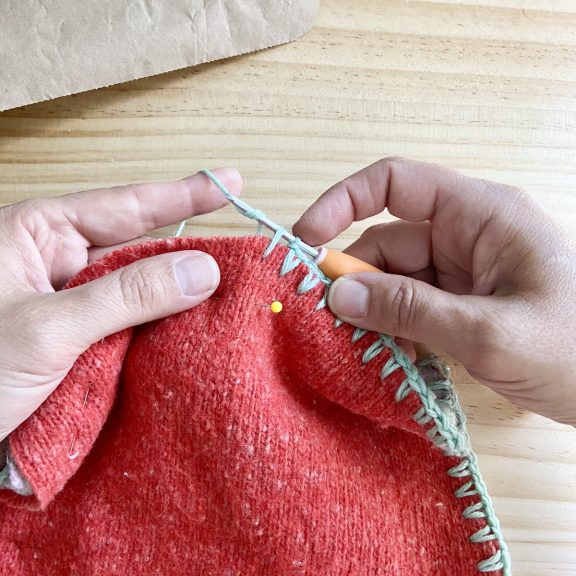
[484, 86]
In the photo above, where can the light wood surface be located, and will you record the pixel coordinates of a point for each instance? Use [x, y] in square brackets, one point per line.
[484, 86]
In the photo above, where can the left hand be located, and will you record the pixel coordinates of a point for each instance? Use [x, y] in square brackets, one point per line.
[43, 243]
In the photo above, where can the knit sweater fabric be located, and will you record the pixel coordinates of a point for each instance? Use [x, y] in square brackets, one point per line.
[228, 441]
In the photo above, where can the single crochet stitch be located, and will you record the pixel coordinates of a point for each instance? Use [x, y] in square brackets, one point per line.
[232, 441]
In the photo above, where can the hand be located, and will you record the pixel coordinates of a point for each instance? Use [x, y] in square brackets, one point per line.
[43, 243]
[472, 267]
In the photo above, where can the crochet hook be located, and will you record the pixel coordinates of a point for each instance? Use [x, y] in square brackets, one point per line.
[332, 262]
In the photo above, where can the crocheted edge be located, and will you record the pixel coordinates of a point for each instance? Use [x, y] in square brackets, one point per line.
[440, 413]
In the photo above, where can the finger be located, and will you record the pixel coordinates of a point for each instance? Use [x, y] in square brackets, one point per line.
[114, 215]
[411, 190]
[99, 251]
[427, 275]
[146, 290]
[409, 309]
[396, 247]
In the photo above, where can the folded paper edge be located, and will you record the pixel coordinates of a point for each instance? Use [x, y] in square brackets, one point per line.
[130, 78]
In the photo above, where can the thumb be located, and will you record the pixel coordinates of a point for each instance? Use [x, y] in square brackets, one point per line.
[146, 290]
[409, 308]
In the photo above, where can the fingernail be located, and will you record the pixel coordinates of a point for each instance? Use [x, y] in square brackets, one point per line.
[349, 298]
[197, 274]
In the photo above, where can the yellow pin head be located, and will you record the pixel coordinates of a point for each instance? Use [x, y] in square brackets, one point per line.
[276, 307]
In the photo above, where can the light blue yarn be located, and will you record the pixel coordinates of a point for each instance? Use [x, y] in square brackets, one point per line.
[290, 263]
[273, 243]
[357, 334]
[242, 207]
[389, 367]
[495, 562]
[474, 511]
[466, 490]
[460, 470]
[323, 302]
[181, 227]
[482, 535]
[310, 281]
[372, 351]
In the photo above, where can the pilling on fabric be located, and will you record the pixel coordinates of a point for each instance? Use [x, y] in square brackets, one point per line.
[230, 440]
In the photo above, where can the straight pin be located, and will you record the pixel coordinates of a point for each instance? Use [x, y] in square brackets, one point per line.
[72, 453]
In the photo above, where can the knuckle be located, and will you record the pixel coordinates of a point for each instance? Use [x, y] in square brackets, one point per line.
[403, 308]
[34, 327]
[491, 334]
[140, 289]
[504, 195]
[487, 336]
[372, 233]
[391, 160]
[392, 165]
[510, 192]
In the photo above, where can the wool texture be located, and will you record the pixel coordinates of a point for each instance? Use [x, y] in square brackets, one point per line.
[232, 441]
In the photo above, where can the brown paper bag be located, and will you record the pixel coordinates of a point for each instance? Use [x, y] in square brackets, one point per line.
[51, 48]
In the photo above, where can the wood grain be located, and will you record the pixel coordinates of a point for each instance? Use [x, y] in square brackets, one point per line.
[484, 86]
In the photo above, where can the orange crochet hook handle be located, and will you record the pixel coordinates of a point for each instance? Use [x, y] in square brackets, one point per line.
[335, 264]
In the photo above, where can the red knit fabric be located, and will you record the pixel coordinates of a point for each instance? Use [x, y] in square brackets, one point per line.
[231, 441]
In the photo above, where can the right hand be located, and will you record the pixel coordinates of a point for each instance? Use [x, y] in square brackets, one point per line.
[472, 267]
